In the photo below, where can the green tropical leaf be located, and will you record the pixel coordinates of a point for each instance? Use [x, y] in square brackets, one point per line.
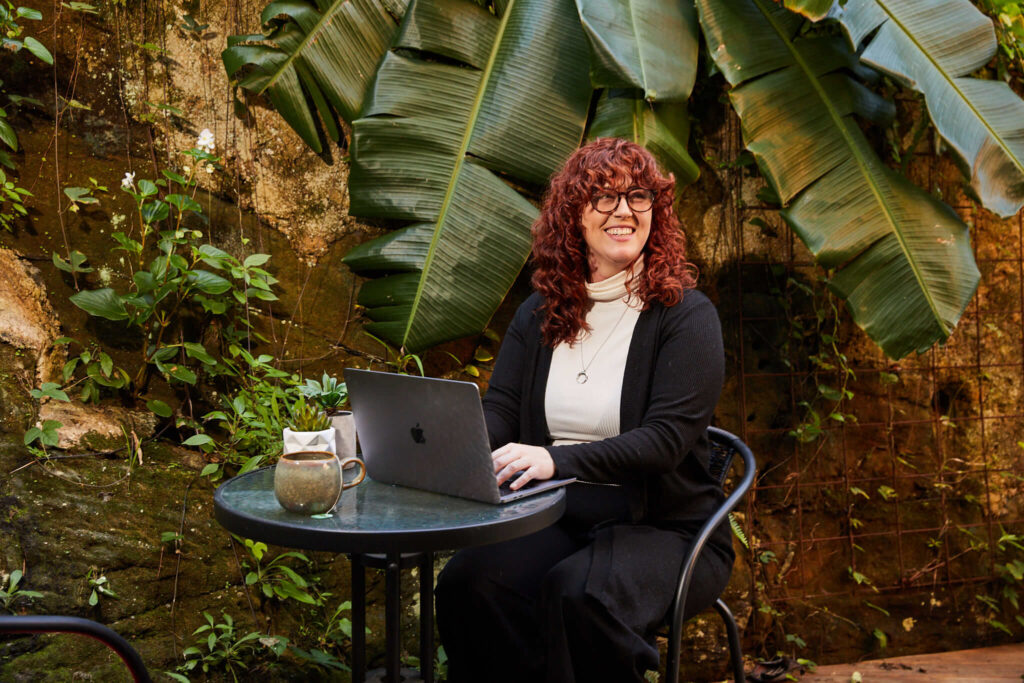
[428, 149]
[814, 10]
[931, 45]
[650, 45]
[103, 303]
[663, 128]
[315, 61]
[901, 258]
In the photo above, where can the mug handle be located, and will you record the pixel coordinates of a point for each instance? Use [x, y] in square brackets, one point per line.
[362, 472]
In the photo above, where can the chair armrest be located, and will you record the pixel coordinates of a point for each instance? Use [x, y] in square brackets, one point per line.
[86, 627]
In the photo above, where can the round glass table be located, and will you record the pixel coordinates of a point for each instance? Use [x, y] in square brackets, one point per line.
[405, 526]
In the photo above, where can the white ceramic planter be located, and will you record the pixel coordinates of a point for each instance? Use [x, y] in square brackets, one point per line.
[324, 440]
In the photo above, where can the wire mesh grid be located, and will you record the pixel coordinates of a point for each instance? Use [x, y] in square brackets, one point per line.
[915, 482]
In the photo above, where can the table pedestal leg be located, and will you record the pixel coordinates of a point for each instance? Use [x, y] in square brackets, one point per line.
[358, 619]
[427, 617]
[392, 618]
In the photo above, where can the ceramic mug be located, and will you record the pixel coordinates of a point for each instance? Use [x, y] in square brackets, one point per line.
[311, 482]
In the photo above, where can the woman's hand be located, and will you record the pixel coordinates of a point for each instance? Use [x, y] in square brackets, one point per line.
[533, 461]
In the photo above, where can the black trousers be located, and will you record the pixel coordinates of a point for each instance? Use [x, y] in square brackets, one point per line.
[520, 610]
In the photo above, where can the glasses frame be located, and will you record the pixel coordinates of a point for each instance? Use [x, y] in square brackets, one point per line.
[618, 200]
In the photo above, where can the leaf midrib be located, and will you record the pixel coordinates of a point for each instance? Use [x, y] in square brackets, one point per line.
[951, 80]
[862, 165]
[639, 46]
[307, 39]
[460, 159]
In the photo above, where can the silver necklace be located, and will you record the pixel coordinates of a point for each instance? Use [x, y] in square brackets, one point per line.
[581, 376]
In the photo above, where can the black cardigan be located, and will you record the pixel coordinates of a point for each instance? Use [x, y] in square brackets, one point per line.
[673, 377]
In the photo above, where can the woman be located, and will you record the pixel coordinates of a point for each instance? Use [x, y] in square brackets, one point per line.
[610, 373]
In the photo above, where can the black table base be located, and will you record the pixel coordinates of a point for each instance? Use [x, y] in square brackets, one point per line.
[393, 564]
[380, 518]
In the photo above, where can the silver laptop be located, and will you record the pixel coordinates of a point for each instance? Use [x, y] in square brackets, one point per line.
[428, 433]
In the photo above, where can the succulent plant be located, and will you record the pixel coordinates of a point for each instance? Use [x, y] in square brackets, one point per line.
[329, 393]
[308, 417]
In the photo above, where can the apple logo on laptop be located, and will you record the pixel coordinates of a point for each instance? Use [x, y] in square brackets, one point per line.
[417, 434]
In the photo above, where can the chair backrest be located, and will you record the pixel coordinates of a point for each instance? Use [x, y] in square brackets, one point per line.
[85, 627]
[724, 449]
[721, 455]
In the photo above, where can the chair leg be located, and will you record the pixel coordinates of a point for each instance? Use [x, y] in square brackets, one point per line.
[735, 651]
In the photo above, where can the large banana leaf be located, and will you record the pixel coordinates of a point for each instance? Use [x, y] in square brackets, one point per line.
[646, 44]
[315, 55]
[931, 45]
[814, 10]
[430, 146]
[662, 128]
[901, 259]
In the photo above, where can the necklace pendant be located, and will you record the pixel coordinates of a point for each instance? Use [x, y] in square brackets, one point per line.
[581, 377]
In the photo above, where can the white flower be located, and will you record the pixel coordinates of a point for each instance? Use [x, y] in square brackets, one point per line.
[205, 141]
[186, 170]
[209, 168]
[128, 182]
[105, 274]
[116, 220]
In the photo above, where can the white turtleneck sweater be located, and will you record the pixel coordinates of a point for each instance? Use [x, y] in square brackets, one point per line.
[577, 412]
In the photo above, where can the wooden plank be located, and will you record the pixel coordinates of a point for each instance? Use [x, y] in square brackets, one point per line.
[984, 665]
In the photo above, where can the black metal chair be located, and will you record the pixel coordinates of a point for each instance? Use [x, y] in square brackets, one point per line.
[724, 448]
[85, 627]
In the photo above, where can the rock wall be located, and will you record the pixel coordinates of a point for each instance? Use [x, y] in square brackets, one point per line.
[857, 533]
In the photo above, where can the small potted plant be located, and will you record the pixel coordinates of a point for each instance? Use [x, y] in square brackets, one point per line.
[309, 428]
[332, 395]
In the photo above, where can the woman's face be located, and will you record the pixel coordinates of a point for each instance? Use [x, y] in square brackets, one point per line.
[615, 240]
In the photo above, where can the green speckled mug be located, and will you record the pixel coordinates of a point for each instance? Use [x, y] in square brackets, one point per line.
[311, 482]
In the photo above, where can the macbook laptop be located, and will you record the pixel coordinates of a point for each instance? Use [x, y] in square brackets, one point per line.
[428, 433]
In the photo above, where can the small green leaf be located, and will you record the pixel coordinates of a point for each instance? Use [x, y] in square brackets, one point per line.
[8, 135]
[29, 13]
[154, 211]
[102, 303]
[153, 47]
[883, 640]
[256, 260]
[106, 364]
[208, 282]
[197, 440]
[166, 107]
[182, 374]
[38, 49]
[210, 469]
[159, 408]
[81, 195]
[147, 188]
[198, 351]
[32, 434]
[80, 7]
[252, 463]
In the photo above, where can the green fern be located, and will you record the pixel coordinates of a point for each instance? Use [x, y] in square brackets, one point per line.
[738, 531]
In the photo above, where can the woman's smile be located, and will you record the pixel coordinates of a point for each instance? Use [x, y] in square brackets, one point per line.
[614, 241]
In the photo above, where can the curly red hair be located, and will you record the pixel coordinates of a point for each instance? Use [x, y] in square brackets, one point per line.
[560, 253]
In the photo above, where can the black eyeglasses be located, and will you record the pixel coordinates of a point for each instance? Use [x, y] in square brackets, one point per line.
[637, 199]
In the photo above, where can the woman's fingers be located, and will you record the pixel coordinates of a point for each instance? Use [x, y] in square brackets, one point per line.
[533, 462]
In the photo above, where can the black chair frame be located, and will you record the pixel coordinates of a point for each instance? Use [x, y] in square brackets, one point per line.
[85, 627]
[724, 447]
